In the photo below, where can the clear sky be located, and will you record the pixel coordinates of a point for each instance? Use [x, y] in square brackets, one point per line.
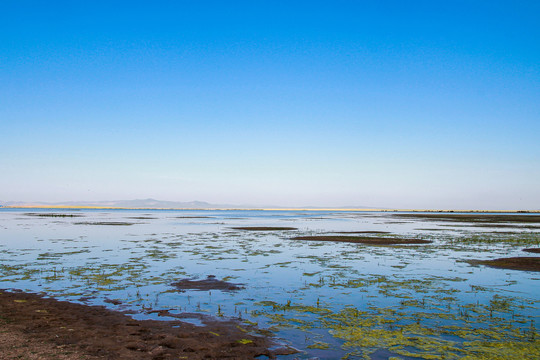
[402, 104]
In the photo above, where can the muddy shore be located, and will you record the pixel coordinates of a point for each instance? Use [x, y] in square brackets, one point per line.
[363, 240]
[34, 327]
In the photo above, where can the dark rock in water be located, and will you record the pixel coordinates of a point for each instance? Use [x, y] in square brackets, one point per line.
[532, 250]
[210, 283]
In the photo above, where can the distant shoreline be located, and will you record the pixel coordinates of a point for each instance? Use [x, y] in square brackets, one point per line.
[74, 207]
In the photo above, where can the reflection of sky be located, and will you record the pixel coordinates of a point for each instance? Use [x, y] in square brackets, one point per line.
[271, 266]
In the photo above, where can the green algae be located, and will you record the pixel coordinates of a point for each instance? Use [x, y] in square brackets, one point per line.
[431, 328]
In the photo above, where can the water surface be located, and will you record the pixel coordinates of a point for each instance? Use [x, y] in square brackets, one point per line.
[328, 300]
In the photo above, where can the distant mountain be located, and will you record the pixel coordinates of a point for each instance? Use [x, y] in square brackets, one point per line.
[137, 203]
[160, 204]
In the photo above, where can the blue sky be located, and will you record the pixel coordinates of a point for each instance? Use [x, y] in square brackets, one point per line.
[418, 104]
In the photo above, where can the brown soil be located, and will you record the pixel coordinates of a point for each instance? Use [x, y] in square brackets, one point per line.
[513, 263]
[33, 327]
[482, 218]
[263, 228]
[532, 250]
[363, 240]
[210, 283]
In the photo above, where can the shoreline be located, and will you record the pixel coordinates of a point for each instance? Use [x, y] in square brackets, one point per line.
[34, 324]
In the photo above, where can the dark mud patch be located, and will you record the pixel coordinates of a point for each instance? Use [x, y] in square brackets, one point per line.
[99, 333]
[363, 232]
[363, 240]
[264, 228]
[106, 223]
[508, 226]
[475, 218]
[210, 283]
[54, 215]
[112, 301]
[93, 332]
[532, 250]
[512, 263]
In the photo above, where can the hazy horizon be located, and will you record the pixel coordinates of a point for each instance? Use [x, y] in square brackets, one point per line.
[150, 203]
[420, 105]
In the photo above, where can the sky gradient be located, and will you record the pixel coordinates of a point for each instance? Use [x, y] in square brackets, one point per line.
[393, 104]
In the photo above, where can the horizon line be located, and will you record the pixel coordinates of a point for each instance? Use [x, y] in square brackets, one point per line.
[265, 209]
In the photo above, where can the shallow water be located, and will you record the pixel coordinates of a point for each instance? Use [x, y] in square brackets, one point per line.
[328, 300]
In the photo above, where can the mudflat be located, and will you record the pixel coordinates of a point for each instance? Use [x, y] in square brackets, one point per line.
[526, 263]
[363, 240]
[210, 283]
[480, 218]
[33, 327]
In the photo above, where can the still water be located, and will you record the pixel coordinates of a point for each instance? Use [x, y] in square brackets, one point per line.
[328, 300]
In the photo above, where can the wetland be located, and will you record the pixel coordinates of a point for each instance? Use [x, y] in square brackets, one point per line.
[311, 282]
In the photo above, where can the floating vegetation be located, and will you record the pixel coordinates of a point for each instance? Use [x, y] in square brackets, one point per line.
[54, 215]
[483, 240]
[363, 240]
[513, 263]
[433, 328]
[55, 255]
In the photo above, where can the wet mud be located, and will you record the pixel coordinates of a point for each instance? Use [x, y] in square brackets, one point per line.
[210, 283]
[363, 240]
[92, 332]
[511, 263]
[363, 232]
